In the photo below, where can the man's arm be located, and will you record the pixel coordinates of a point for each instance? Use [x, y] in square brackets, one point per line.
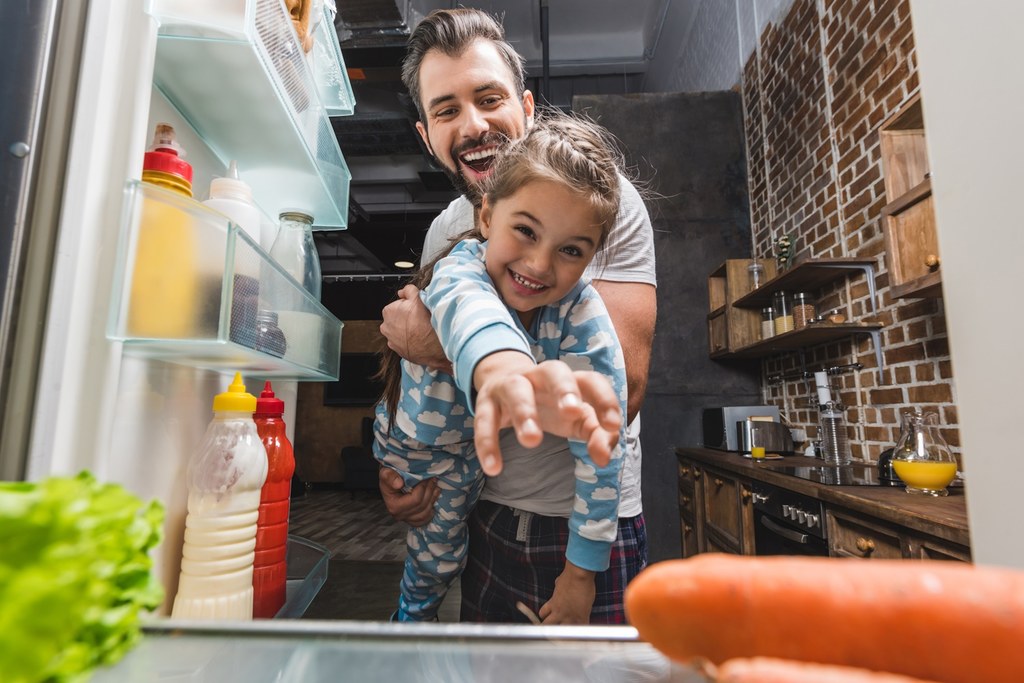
[633, 308]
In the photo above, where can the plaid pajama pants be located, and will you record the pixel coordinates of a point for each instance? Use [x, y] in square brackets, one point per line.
[516, 556]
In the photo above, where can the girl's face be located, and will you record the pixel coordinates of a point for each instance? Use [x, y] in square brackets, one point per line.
[540, 240]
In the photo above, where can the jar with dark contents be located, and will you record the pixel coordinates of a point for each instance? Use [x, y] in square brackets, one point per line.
[269, 337]
[803, 309]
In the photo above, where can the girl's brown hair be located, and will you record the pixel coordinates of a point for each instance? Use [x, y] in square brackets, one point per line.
[558, 148]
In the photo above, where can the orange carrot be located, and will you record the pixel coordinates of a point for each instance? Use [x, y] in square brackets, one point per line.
[943, 621]
[767, 670]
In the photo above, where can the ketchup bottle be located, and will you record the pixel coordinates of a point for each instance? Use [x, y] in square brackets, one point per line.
[269, 575]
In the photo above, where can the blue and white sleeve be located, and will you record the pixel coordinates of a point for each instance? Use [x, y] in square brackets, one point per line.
[589, 342]
[469, 317]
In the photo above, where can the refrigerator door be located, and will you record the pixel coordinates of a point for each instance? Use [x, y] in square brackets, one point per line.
[40, 44]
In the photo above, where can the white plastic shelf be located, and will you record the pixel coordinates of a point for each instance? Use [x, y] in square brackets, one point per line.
[236, 71]
[193, 288]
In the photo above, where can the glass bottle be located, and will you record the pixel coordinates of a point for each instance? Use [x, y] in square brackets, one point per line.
[295, 251]
[783, 312]
[756, 271]
[767, 322]
[803, 309]
[922, 458]
[269, 337]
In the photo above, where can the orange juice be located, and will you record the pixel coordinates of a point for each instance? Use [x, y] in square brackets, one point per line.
[931, 476]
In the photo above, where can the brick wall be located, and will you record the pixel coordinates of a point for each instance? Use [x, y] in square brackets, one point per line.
[815, 92]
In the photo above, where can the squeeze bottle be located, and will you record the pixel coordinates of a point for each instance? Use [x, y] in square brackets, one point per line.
[232, 197]
[164, 287]
[225, 477]
[270, 574]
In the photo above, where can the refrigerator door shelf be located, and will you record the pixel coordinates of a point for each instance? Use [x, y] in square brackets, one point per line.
[190, 287]
[238, 74]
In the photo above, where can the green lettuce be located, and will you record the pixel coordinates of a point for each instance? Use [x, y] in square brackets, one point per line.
[75, 573]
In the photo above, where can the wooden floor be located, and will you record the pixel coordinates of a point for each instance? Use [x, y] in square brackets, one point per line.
[367, 554]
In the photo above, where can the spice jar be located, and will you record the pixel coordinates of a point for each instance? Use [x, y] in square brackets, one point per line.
[783, 312]
[803, 309]
[767, 322]
[756, 271]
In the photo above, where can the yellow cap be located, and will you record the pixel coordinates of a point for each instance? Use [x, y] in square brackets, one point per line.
[235, 399]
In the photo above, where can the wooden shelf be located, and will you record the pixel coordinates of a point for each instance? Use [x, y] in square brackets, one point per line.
[909, 198]
[807, 276]
[818, 333]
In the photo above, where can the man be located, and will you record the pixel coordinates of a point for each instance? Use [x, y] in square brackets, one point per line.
[469, 88]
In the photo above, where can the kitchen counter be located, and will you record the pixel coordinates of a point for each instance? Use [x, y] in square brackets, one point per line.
[944, 518]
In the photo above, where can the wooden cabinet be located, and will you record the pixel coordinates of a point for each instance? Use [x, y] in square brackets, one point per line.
[852, 535]
[734, 321]
[691, 497]
[912, 246]
[728, 513]
[731, 328]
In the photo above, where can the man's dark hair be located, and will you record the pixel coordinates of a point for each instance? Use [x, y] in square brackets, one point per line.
[451, 31]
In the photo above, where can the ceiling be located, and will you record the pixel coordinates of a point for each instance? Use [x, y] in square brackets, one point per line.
[595, 46]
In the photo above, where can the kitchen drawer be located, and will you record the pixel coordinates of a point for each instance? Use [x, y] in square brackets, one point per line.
[689, 532]
[927, 549]
[849, 537]
[689, 474]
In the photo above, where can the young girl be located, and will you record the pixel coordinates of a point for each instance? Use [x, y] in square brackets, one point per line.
[511, 293]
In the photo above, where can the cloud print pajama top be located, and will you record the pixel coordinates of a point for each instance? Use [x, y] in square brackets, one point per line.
[433, 432]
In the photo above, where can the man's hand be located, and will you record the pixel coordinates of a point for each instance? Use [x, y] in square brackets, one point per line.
[550, 397]
[573, 598]
[406, 326]
[415, 508]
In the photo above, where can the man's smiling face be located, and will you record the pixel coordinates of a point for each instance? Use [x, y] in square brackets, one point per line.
[471, 111]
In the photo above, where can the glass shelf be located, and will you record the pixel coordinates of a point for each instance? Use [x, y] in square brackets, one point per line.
[193, 288]
[236, 71]
[307, 572]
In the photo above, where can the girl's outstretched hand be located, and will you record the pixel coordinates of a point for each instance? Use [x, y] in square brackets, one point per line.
[550, 397]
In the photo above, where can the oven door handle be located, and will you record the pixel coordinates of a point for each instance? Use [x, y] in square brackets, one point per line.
[794, 536]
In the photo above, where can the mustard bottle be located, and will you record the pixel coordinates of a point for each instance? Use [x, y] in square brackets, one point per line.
[164, 284]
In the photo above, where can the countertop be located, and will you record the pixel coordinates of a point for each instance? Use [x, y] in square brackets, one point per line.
[944, 518]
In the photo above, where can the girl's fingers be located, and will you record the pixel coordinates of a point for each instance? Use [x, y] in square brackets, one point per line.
[516, 397]
[485, 436]
[598, 392]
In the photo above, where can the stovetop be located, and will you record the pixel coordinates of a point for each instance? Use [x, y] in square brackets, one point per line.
[837, 475]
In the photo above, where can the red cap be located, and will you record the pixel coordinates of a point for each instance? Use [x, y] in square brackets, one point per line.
[267, 405]
[168, 162]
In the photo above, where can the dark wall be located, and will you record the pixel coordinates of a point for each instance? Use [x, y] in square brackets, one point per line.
[688, 149]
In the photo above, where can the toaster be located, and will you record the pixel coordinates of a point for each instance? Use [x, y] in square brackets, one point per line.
[719, 424]
[774, 436]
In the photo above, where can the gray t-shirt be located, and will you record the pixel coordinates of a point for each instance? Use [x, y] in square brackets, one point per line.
[540, 480]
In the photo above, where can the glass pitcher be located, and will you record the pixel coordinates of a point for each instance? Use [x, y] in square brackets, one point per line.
[921, 457]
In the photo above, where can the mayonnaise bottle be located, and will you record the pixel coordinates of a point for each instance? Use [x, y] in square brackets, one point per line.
[225, 479]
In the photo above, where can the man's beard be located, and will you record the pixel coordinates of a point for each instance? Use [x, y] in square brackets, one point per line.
[473, 191]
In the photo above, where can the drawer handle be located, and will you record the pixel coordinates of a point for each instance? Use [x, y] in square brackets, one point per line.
[686, 500]
[718, 482]
[745, 495]
[865, 545]
[687, 528]
[685, 471]
[697, 474]
[932, 261]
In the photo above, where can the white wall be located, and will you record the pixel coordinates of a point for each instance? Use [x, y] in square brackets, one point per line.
[969, 61]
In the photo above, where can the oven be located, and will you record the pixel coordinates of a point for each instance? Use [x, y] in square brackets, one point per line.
[787, 523]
